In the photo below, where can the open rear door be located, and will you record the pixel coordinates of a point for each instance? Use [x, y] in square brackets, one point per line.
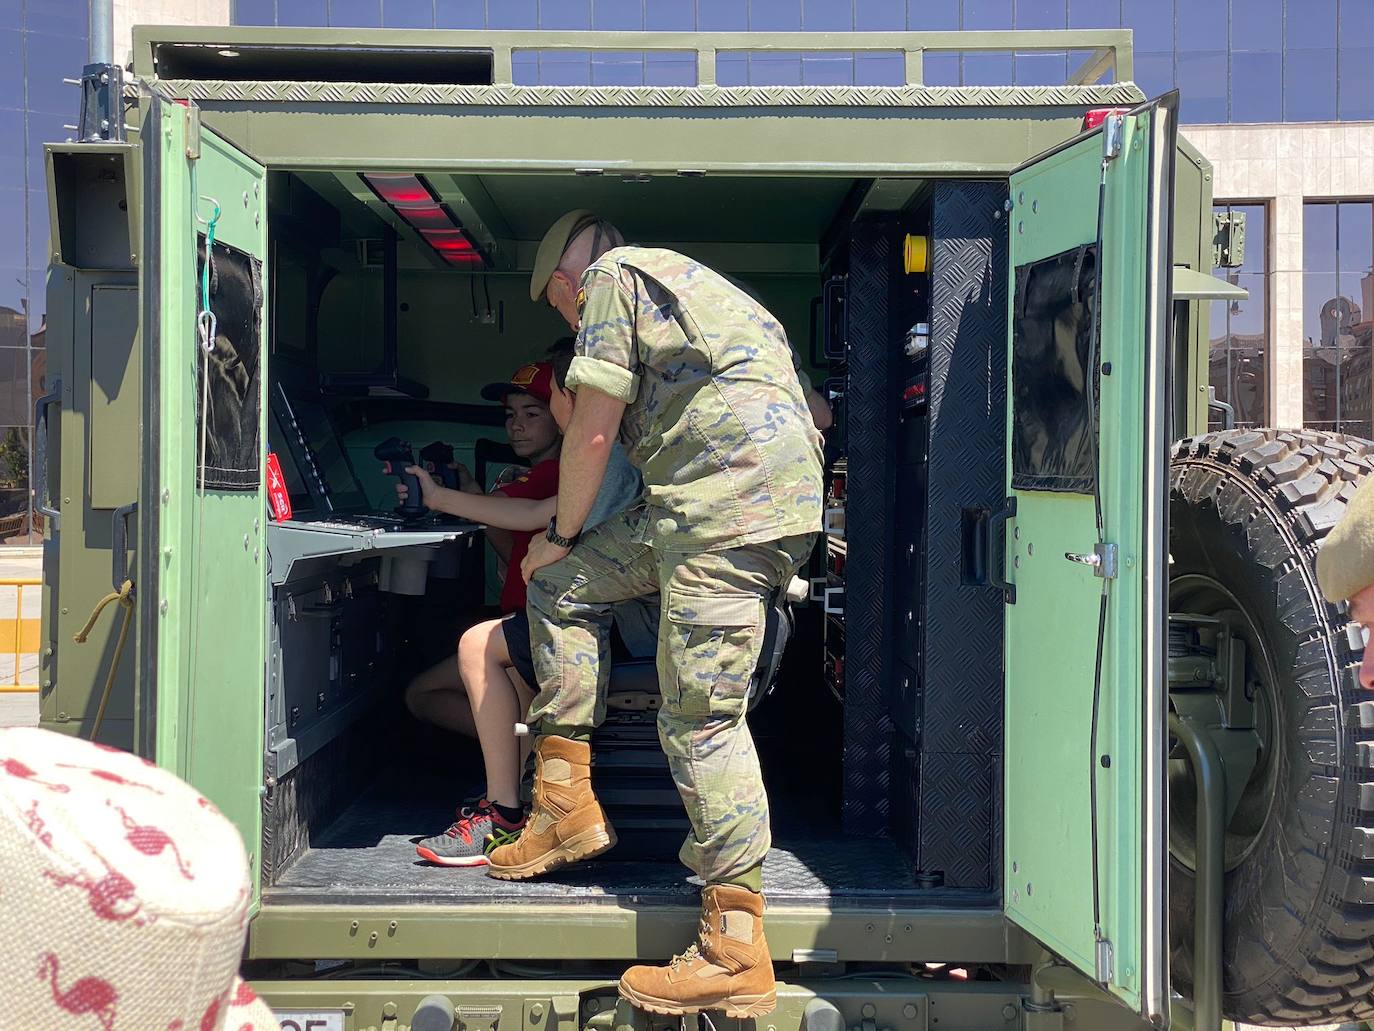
[1086, 551]
[202, 585]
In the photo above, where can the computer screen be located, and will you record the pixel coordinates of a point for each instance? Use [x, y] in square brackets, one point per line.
[316, 457]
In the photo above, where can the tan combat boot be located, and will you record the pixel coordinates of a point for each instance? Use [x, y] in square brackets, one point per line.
[728, 969]
[566, 822]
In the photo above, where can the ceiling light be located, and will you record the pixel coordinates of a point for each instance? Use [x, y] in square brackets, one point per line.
[414, 200]
[399, 189]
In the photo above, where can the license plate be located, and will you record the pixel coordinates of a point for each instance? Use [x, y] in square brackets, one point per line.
[314, 1020]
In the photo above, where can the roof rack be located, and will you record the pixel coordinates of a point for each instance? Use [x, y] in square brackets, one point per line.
[441, 56]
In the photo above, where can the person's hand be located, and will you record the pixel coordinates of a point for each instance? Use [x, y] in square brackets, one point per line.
[543, 552]
[466, 481]
[429, 490]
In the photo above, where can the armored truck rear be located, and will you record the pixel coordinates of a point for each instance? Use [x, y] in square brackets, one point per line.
[296, 244]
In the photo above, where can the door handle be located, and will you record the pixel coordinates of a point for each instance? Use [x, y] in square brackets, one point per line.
[832, 302]
[40, 452]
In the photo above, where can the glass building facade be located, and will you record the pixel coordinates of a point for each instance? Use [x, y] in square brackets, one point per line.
[1239, 358]
[1233, 60]
[1238, 61]
[1338, 299]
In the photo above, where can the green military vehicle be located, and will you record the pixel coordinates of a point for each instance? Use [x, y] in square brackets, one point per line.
[1064, 735]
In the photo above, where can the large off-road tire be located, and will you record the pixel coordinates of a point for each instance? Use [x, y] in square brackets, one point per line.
[1248, 510]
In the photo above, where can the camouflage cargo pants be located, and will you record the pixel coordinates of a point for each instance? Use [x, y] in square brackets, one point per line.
[710, 633]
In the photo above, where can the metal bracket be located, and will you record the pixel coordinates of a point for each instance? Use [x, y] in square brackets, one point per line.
[1113, 136]
[1102, 960]
[830, 608]
[119, 544]
[996, 564]
[192, 132]
[1103, 559]
[42, 494]
[102, 104]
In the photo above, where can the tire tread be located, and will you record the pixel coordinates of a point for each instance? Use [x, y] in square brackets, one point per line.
[1325, 971]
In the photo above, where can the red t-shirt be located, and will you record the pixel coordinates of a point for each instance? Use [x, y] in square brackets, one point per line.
[539, 483]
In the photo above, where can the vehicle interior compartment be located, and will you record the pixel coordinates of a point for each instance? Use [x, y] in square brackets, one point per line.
[394, 297]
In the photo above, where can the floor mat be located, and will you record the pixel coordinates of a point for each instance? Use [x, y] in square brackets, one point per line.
[369, 853]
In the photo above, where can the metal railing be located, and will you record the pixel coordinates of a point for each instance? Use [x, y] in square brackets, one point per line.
[1109, 49]
[19, 635]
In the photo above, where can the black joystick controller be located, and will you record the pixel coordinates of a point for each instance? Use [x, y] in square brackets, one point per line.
[437, 459]
[395, 454]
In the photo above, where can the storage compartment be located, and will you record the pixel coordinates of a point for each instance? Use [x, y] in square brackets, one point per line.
[880, 737]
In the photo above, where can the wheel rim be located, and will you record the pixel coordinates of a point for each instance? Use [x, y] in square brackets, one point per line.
[1205, 596]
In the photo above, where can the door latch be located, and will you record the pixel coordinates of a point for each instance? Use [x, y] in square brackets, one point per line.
[1103, 559]
[1102, 961]
[1113, 136]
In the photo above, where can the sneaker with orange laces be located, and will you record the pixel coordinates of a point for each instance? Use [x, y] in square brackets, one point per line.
[477, 830]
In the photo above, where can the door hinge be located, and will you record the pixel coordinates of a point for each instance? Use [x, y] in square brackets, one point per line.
[1102, 958]
[1103, 559]
[192, 132]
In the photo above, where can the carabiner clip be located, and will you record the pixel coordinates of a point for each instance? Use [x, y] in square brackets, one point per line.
[208, 327]
[213, 218]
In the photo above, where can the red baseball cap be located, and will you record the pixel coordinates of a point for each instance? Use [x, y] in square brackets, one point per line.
[535, 379]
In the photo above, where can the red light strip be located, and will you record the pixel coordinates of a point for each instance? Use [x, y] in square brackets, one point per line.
[412, 198]
[399, 189]
[425, 216]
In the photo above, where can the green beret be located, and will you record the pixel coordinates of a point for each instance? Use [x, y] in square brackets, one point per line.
[1345, 564]
[552, 246]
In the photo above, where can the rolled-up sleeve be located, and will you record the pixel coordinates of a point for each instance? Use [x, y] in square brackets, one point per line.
[606, 359]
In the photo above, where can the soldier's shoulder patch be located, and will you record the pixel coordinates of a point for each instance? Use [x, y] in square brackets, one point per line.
[581, 299]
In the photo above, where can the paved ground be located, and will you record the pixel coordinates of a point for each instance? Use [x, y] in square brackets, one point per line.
[19, 709]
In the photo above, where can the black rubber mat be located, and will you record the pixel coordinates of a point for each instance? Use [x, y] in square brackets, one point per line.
[368, 854]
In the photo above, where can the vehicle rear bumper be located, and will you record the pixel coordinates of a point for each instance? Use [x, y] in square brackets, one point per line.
[623, 931]
[534, 1004]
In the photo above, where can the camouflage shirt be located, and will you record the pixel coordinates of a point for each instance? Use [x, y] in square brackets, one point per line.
[715, 419]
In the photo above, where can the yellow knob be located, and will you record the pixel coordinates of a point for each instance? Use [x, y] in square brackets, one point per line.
[916, 254]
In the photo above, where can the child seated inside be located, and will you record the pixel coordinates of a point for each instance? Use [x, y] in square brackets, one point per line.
[491, 687]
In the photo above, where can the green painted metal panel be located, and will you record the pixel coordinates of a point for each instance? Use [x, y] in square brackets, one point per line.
[1052, 628]
[87, 312]
[115, 384]
[210, 650]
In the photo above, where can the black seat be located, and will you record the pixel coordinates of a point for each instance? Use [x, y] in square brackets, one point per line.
[634, 684]
[629, 768]
[486, 451]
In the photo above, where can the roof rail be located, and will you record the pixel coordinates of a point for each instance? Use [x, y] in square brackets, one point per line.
[1109, 49]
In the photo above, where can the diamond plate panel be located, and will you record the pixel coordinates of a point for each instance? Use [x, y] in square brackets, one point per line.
[906, 790]
[958, 809]
[292, 91]
[872, 425]
[967, 464]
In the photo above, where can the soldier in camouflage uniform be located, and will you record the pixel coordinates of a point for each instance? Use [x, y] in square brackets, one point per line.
[698, 380]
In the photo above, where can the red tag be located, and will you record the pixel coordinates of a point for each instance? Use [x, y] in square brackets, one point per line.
[278, 498]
